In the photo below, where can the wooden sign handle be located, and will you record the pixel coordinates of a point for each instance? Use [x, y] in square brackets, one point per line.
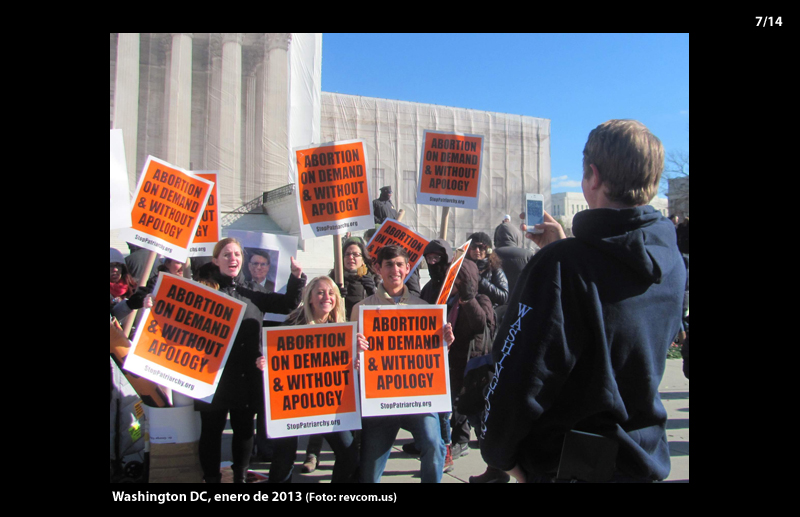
[445, 220]
[338, 270]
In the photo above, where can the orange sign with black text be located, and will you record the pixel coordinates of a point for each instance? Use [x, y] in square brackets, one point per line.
[450, 169]
[167, 209]
[405, 371]
[332, 189]
[452, 273]
[309, 381]
[394, 233]
[184, 340]
[209, 229]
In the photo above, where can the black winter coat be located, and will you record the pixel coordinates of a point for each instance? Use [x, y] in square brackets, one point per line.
[242, 383]
[494, 284]
[356, 288]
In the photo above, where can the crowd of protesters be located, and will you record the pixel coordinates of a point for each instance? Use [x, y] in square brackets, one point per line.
[573, 337]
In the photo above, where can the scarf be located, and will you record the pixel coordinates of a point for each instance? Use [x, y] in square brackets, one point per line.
[119, 289]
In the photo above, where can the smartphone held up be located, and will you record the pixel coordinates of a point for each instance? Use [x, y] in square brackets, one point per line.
[534, 212]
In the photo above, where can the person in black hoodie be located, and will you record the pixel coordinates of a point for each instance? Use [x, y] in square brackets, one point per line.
[583, 345]
[438, 255]
[241, 388]
[507, 242]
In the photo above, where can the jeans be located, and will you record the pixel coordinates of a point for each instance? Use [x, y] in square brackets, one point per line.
[314, 445]
[378, 435]
[285, 452]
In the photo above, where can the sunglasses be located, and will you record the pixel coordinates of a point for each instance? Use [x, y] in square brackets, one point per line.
[481, 247]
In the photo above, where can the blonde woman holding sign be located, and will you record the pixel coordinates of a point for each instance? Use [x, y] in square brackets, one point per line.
[322, 303]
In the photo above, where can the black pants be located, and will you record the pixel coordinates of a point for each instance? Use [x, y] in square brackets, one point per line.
[212, 426]
[346, 449]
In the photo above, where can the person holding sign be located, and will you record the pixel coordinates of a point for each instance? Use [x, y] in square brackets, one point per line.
[169, 265]
[438, 255]
[378, 433]
[383, 208]
[358, 283]
[240, 391]
[473, 322]
[322, 304]
[122, 283]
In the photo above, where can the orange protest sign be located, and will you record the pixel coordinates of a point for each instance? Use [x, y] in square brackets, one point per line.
[184, 340]
[393, 233]
[332, 188]
[167, 209]
[452, 273]
[405, 370]
[208, 231]
[310, 385]
[450, 168]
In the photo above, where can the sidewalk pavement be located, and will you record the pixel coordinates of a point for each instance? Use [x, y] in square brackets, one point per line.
[402, 468]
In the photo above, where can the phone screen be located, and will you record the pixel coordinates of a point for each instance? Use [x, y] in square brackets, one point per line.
[535, 212]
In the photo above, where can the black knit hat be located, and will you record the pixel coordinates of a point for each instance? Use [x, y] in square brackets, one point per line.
[480, 237]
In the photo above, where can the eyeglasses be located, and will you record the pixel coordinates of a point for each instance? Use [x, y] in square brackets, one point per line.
[354, 255]
[481, 247]
[433, 258]
[259, 264]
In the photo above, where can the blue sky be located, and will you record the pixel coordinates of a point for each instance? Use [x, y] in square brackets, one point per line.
[576, 80]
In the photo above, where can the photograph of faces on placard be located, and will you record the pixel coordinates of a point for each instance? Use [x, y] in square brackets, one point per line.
[261, 266]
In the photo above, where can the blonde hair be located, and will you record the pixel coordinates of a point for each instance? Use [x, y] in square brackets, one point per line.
[209, 283]
[304, 315]
[629, 160]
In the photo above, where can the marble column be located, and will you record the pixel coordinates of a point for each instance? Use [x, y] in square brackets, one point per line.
[230, 116]
[179, 115]
[251, 182]
[276, 110]
[126, 99]
[213, 107]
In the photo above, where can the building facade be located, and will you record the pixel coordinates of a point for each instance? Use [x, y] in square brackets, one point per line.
[567, 204]
[516, 157]
[228, 102]
[678, 196]
[238, 103]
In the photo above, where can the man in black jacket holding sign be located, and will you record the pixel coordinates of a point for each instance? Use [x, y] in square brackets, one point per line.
[382, 208]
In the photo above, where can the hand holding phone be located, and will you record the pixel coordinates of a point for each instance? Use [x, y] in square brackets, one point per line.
[552, 232]
[534, 212]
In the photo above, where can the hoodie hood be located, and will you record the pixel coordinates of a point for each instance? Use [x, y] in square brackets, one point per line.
[438, 270]
[440, 246]
[506, 235]
[640, 237]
